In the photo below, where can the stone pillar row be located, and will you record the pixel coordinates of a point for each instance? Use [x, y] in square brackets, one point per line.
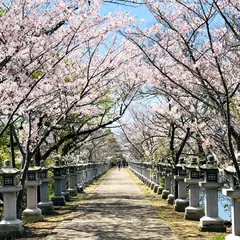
[189, 179]
[68, 180]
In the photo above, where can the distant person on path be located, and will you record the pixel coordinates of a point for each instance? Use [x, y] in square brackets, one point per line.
[119, 165]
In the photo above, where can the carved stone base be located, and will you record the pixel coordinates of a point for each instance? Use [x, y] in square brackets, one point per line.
[152, 184]
[72, 192]
[212, 224]
[159, 191]
[171, 199]
[11, 229]
[58, 201]
[66, 196]
[32, 215]
[165, 194]
[193, 213]
[46, 207]
[79, 189]
[181, 204]
[155, 189]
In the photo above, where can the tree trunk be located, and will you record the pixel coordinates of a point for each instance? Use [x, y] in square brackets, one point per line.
[12, 145]
[20, 196]
[236, 136]
[37, 162]
[37, 157]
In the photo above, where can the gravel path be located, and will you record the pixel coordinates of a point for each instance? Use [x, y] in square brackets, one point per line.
[118, 211]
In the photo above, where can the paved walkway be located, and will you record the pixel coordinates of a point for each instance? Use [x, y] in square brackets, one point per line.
[118, 211]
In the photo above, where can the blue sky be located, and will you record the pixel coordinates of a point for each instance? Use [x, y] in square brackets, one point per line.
[140, 11]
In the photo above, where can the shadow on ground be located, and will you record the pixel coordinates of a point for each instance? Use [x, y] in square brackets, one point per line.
[117, 211]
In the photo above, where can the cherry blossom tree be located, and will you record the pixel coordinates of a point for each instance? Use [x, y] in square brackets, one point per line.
[36, 37]
[160, 126]
[65, 73]
[192, 51]
[98, 147]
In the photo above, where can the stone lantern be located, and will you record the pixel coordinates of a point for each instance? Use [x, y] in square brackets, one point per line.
[211, 222]
[83, 167]
[138, 169]
[90, 169]
[149, 175]
[80, 182]
[182, 202]
[166, 173]
[94, 171]
[161, 167]
[154, 178]
[193, 211]
[145, 173]
[158, 174]
[141, 170]
[87, 174]
[10, 226]
[45, 204]
[32, 213]
[234, 193]
[65, 193]
[171, 172]
[98, 169]
[58, 199]
[72, 185]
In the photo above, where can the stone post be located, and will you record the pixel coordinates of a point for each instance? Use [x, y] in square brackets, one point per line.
[72, 185]
[182, 202]
[234, 193]
[193, 211]
[145, 179]
[157, 184]
[98, 170]
[171, 197]
[235, 196]
[95, 171]
[166, 190]
[148, 175]
[211, 222]
[153, 180]
[85, 175]
[80, 182]
[58, 199]
[32, 213]
[10, 226]
[161, 169]
[142, 171]
[65, 193]
[45, 204]
[90, 174]
[167, 187]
